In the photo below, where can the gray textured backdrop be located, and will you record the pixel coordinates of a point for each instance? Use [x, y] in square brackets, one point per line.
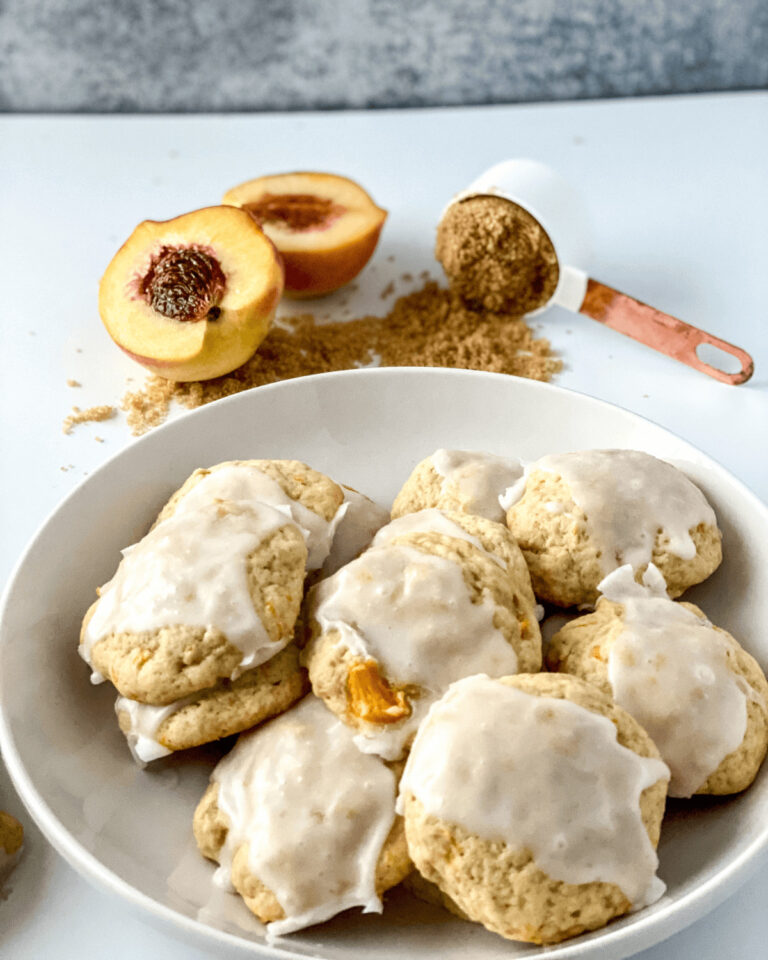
[190, 55]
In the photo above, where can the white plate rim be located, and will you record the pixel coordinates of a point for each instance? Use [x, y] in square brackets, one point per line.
[674, 917]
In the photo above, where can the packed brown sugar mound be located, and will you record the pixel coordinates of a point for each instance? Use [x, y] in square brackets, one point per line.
[496, 255]
[432, 327]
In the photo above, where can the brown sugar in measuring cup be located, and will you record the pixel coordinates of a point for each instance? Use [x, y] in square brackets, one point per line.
[496, 255]
[516, 240]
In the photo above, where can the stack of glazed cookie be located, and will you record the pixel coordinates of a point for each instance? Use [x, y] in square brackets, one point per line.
[431, 748]
[196, 628]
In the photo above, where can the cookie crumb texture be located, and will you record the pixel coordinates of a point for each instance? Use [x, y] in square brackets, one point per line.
[232, 705]
[496, 255]
[500, 883]
[432, 327]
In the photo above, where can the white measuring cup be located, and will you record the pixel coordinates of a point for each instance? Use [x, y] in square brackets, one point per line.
[560, 211]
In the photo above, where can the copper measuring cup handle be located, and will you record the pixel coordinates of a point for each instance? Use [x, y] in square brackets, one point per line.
[660, 331]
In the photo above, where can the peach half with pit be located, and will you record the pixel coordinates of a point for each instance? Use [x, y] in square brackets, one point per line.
[325, 226]
[193, 297]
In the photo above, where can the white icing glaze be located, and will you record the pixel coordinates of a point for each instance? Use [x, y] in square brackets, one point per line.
[429, 521]
[669, 669]
[145, 720]
[627, 497]
[478, 478]
[244, 482]
[540, 774]
[412, 613]
[515, 491]
[314, 810]
[354, 533]
[191, 570]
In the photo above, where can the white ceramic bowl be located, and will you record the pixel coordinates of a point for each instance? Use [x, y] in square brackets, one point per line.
[129, 829]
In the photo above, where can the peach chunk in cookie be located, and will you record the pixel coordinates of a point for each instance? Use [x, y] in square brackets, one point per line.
[435, 598]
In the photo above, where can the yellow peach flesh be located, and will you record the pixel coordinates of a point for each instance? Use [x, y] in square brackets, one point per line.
[320, 257]
[181, 349]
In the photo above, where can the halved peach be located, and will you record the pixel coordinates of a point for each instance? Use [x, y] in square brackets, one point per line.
[193, 297]
[326, 227]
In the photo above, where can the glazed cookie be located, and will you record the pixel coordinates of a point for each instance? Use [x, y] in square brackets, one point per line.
[311, 499]
[535, 804]
[426, 605]
[230, 707]
[208, 594]
[700, 696]
[578, 516]
[302, 823]
[463, 481]
[362, 518]
[487, 535]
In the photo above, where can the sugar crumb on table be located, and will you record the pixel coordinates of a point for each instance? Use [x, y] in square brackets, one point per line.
[96, 414]
[430, 327]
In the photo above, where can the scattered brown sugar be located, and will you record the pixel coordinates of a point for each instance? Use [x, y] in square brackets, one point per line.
[496, 255]
[91, 415]
[431, 327]
[74, 383]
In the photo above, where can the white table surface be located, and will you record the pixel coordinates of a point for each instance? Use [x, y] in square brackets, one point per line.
[677, 190]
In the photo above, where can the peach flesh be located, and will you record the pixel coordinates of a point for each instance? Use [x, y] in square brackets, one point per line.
[325, 226]
[216, 279]
[296, 211]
